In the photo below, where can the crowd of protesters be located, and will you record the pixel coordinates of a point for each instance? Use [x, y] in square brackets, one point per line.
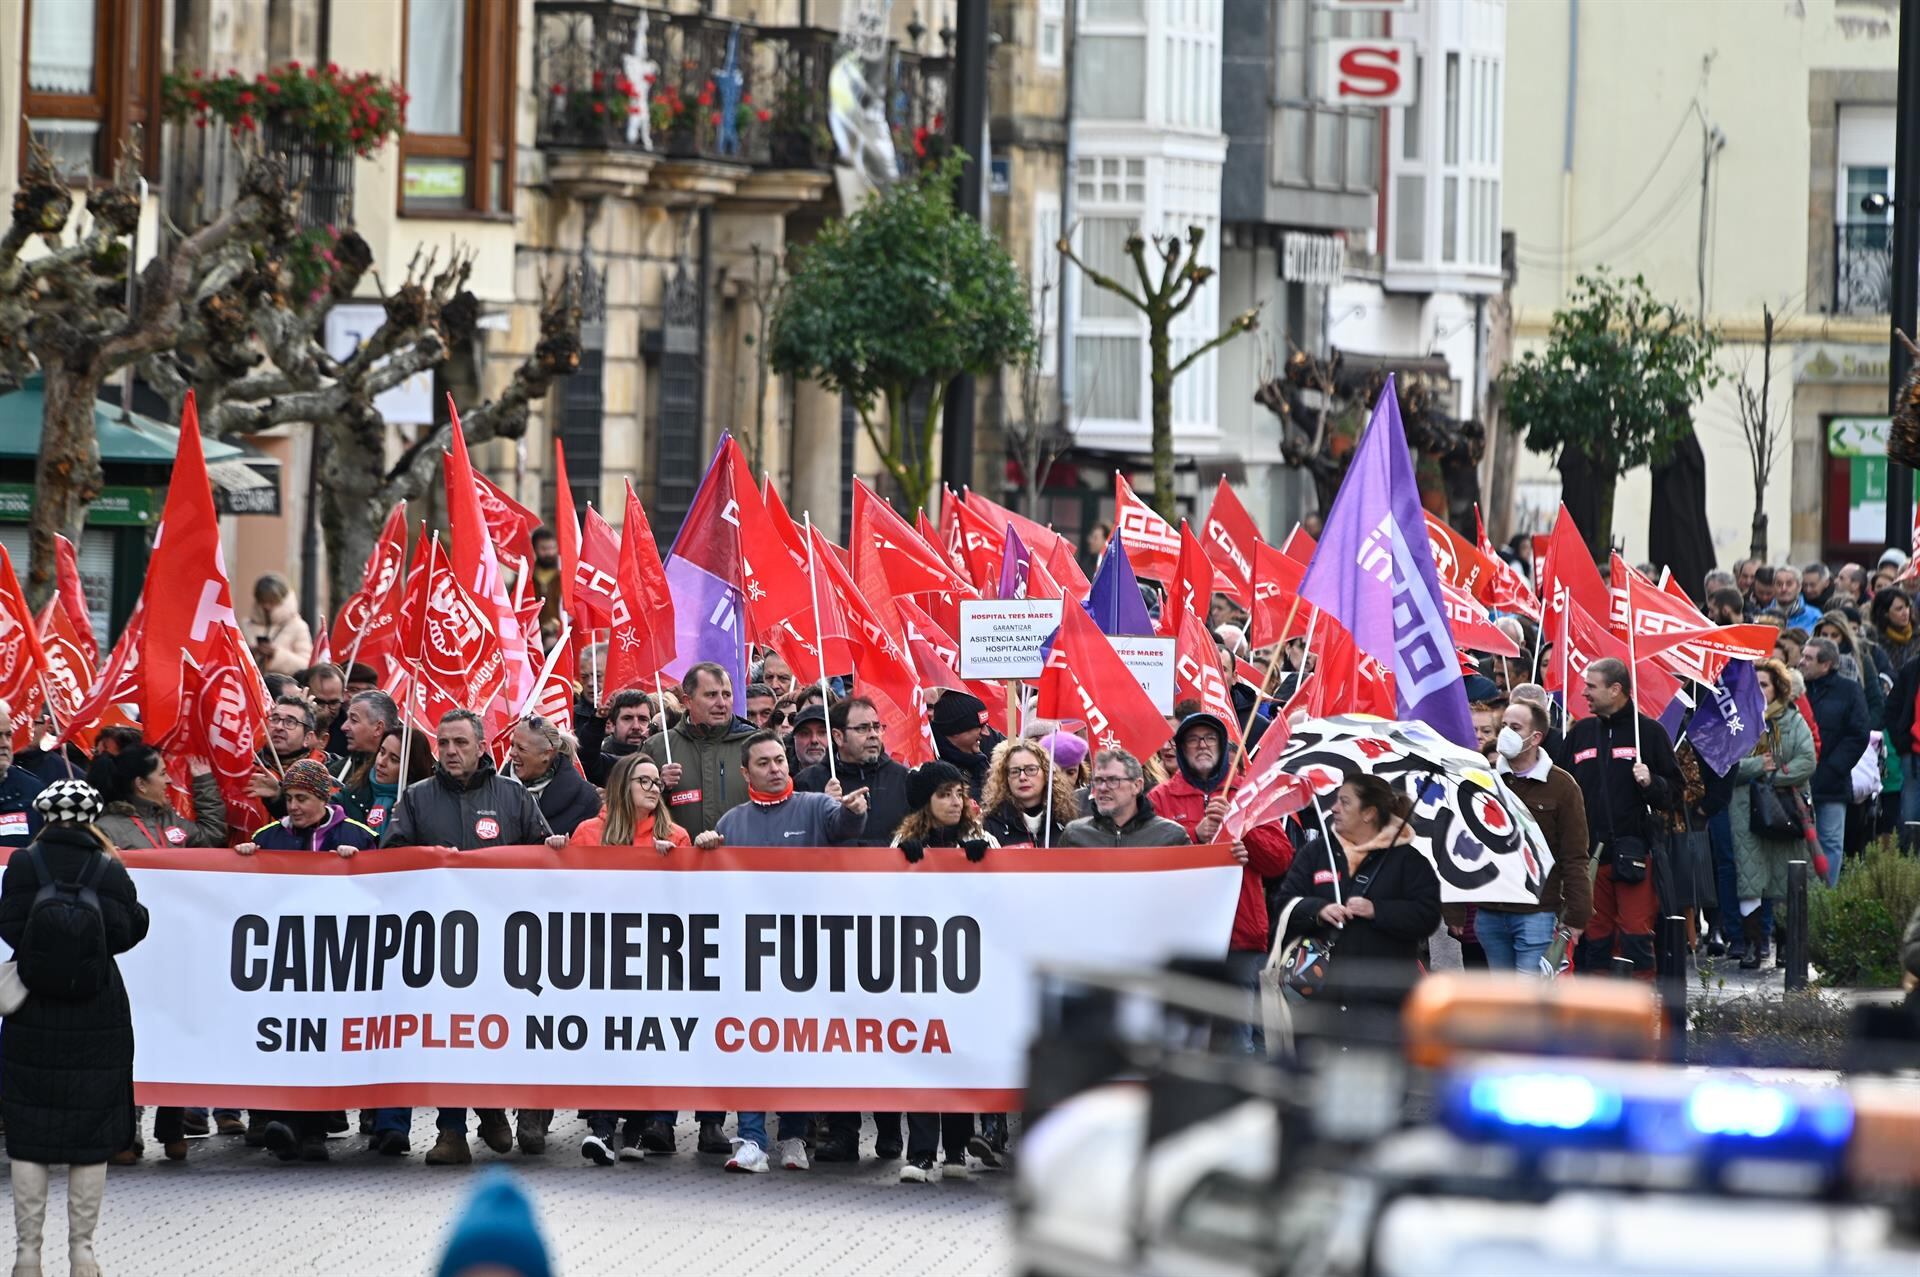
[683, 769]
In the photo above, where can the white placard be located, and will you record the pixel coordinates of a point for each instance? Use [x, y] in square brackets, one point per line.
[1001, 638]
[1151, 660]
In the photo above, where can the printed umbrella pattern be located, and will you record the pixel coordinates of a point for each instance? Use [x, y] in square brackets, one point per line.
[1482, 840]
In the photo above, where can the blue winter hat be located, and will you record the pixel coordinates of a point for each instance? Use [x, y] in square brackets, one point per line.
[497, 1230]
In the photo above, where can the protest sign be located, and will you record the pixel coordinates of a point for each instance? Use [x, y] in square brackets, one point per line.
[1151, 660]
[613, 978]
[1002, 638]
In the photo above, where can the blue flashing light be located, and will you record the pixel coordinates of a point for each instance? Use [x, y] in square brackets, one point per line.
[1543, 1101]
[1739, 1109]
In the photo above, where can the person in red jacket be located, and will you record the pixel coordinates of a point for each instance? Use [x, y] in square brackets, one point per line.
[1195, 798]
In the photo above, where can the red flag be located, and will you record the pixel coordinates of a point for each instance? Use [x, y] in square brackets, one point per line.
[70, 673]
[224, 720]
[1085, 679]
[1676, 635]
[1190, 588]
[1569, 575]
[1345, 679]
[566, 526]
[1472, 627]
[118, 684]
[982, 544]
[1457, 561]
[450, 641]
[1276, 588]
[1510, 592]
[1587, 641]
[773, 553]
[1041, 540]
[926, 638]
[881, 665]
[909, 564]
[479, 570]
[1197, 673]
[596, 577]
[1153, 546]
[509, 524]
[1268, 793]
[186, 593]
[73, 598]
[642, 623]
[23, 662]
[368, 630]
[1230, 536]
[555, 686]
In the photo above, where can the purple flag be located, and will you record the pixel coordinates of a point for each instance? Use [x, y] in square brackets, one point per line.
[704, 574]
[1373, 573]
[1727, 724]
[1113, 600]
[1015, 564]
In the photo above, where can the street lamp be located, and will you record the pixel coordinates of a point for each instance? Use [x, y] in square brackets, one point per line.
[1876, 204]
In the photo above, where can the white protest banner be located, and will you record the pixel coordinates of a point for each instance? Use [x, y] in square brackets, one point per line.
[610, 978]
[1151, 660]
[1001, 638]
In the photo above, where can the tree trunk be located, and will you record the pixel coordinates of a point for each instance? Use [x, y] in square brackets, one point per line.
[1757, 539]
[353, 509]
[66, 477]
[1159, 342]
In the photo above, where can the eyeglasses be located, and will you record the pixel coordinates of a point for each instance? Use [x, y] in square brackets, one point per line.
[287, 720]
[1026, 772]
[1108, 782]
[333, 704]
[863, 728]
[649, 782]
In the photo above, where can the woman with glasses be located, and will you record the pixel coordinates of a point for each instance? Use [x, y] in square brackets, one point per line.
[635, 817]
[542, 757]
[1028, 799]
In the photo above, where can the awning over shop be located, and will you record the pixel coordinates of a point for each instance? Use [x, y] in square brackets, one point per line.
[245, 481]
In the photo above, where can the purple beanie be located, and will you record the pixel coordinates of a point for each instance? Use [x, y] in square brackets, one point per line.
[1067, 750]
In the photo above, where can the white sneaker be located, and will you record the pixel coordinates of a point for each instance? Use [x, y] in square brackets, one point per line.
[793, 1155]
[920, 1171]
[748, 1158]
[958, 1169]
[632, 1153]
[595, 1150]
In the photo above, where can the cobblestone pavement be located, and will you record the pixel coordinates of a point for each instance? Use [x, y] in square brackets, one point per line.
[233, 1209]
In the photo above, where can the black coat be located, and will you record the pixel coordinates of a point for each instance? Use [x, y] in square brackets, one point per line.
[1599, 752]
[66, 1067]
[568, 801]
[972, 766]
[1840, 715]
[1379, 954]
[1009, 827]
[19, 822]
[886, 784]
[485, 810]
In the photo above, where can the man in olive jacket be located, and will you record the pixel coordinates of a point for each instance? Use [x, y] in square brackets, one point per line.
[1122, 816]
[704, 777]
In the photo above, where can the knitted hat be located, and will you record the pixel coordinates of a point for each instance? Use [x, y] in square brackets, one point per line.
[1068, 751]
[926, 780]
[497, 1231]
[68, 802]
[310, 776]
[957, 712]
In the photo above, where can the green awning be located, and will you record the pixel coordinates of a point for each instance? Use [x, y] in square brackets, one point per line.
[126, 438]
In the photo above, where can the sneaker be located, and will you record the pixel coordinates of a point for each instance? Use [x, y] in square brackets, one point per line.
[195, 1124]
[495, 1132]
[958, 1168]
[280, 1141]
[886, 1148]
[595, 1150]
[531, 1129]
[919, 1171]
[981, 1151]
[712, 1140]
[389, 1143]
[657, 1136]
[748, 1158]
[451, 1149]
[229, 1126]
[314, 1149]
[632, 1152]
[793, 1155]
[836, 1149]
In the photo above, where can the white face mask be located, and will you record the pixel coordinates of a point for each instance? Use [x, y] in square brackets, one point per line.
[1509, 744]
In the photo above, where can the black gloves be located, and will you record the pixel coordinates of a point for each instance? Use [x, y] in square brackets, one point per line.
[913, 851]
[976, 849]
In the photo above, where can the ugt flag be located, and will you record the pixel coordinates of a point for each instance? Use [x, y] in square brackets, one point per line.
[1373, 572]
[1727, 724]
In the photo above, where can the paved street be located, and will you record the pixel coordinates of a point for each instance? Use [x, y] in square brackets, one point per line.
[232, 1209]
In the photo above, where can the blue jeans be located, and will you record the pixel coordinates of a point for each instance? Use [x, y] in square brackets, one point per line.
[793, 1126]
[1830, 818]
[400, 1120]
[1244, 966]
[1726, 874]
[1514, 941]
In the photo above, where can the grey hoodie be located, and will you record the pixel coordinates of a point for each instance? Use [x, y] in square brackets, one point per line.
[804, 820]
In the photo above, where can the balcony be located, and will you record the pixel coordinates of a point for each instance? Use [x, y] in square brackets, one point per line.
[632, 86]
[201, 171]
[1863, 268]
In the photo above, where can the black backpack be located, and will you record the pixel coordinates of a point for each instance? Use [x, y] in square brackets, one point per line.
[63, 952]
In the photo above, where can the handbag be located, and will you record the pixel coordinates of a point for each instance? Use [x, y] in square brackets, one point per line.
[1275, 1015]
[13, 990]
[1628, 856]
[1771, 814]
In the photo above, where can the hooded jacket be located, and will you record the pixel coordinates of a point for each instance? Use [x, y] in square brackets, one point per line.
[1147, 829]
[336, 831]
[484, 810]
[1183, 799]
[286, 634]
[710, 760]
[885, 781]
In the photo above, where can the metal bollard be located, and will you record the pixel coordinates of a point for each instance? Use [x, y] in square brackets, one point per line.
[1794, 951]
[1673, 984]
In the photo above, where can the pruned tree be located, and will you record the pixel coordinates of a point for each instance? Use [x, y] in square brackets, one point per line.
[236, 309]
[1037, 436]
[763, 290]
[1761, 428]
[897, 301]
[1180, 277]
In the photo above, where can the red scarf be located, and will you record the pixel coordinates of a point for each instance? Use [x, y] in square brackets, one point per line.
[771, 800]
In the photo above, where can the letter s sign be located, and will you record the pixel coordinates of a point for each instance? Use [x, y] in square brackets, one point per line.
[1369, 73]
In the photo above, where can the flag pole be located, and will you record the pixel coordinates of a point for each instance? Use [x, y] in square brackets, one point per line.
[1633, 673]
[58, 731]
[1046, 797]
[660, 702]
[1273, 663]
[413, 689]
[820, 641]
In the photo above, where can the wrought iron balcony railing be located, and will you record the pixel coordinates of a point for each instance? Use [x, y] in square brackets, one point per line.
[1862, 268]
[201, 171]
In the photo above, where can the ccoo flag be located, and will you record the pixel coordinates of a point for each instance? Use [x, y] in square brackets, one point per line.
[1373, 572]
[1727, 724]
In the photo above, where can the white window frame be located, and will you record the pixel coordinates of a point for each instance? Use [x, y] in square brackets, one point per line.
[1047, 270]
[1050, 19]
